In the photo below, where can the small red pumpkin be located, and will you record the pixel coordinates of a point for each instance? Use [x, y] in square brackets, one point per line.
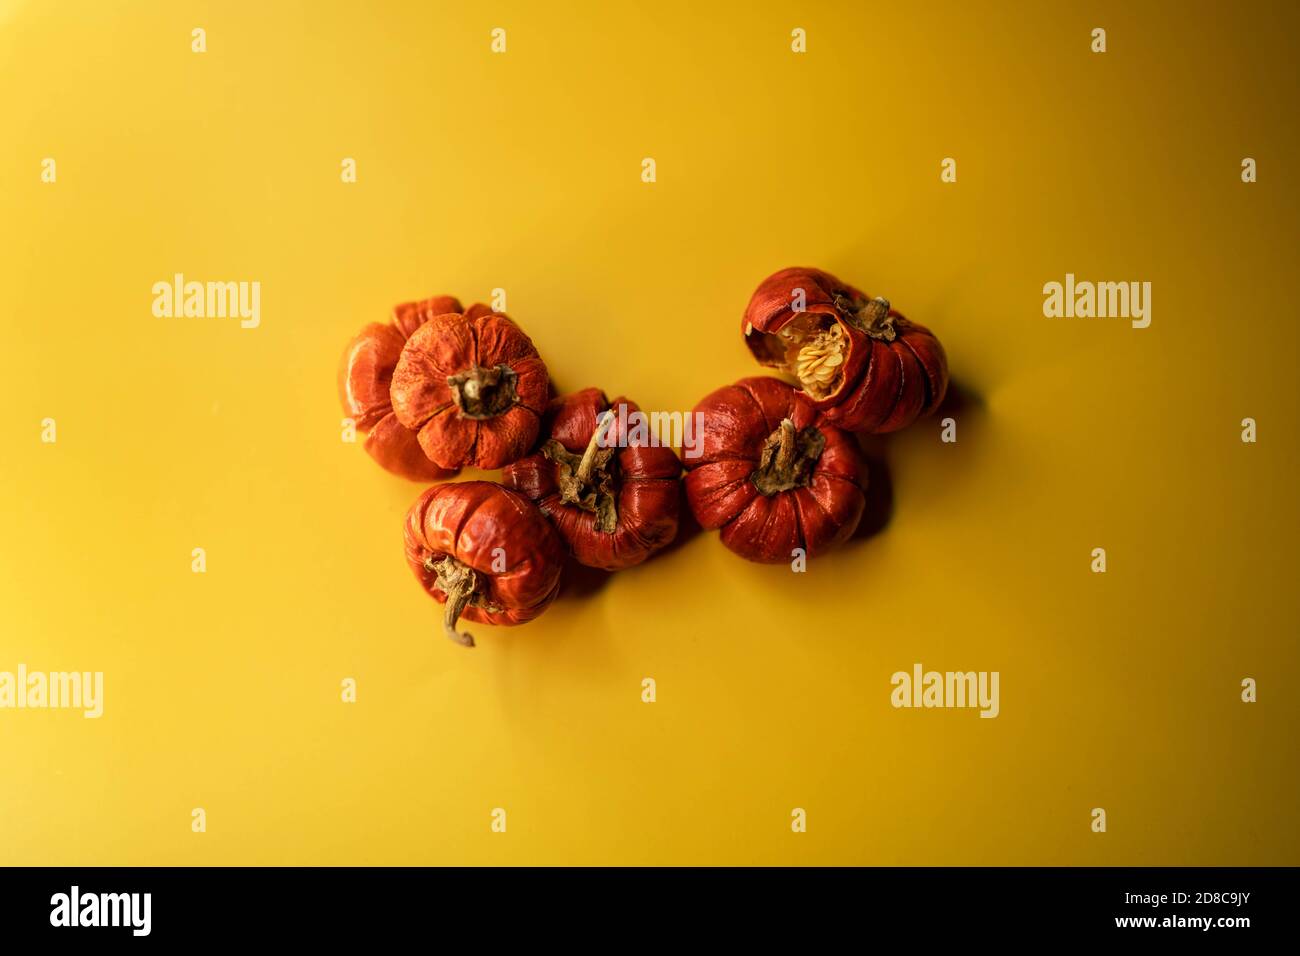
[485, 552]
[473, 387]
[613, 497]
[365, 375]
[863, 364]
[774, 474]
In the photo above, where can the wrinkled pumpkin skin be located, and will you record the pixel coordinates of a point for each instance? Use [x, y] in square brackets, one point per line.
[515, 553]
[644, 493]
[365, 377]
[820, 511]
[473, 389]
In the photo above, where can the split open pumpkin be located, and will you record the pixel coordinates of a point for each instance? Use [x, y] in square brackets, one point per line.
[860, 362]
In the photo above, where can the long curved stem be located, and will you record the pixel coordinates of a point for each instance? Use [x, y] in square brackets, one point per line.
[588, 461]
[457, 600]
[459, 583]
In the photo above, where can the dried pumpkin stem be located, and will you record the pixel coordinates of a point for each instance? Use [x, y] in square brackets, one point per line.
[588, 461]
[481, 393]
[871, 316]
[587, 482]
[785, 446]
[459, 582]
[787, 458]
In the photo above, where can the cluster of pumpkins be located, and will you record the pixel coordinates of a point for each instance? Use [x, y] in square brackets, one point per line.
[441, 388]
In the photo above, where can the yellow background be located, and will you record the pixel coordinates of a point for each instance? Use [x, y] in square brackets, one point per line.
[522, 171]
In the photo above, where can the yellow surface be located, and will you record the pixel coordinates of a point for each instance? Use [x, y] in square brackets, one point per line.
[522, 171]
